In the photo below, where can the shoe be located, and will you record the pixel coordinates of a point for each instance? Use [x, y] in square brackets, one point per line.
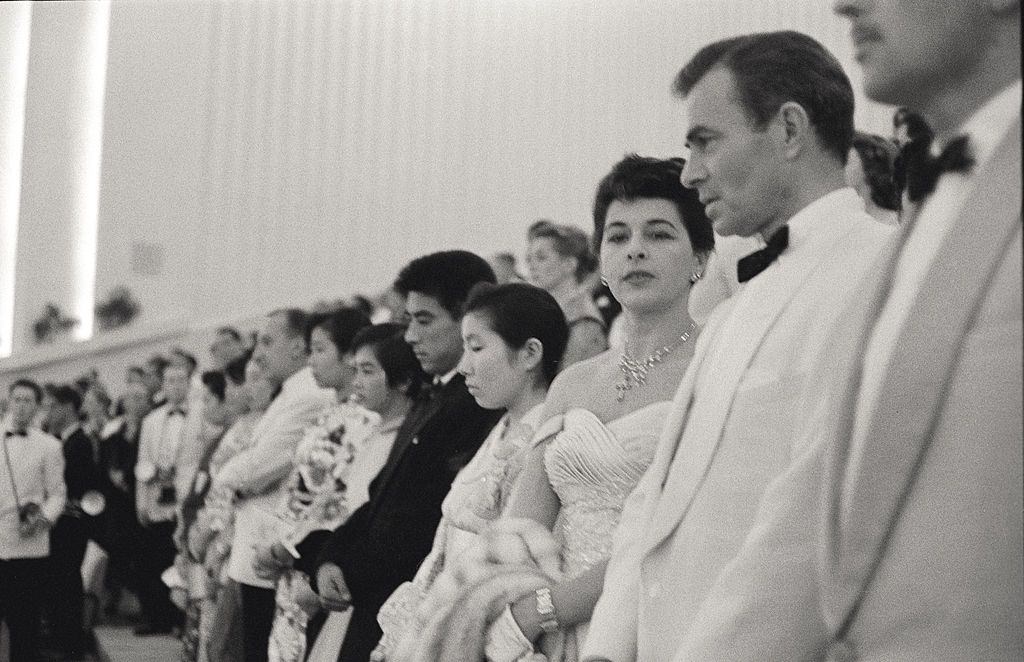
[150, 629]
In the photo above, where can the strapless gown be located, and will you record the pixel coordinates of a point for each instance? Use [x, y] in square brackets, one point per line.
[593, 467]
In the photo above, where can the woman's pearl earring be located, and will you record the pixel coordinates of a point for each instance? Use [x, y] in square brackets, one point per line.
[604, 281]
[695, 276]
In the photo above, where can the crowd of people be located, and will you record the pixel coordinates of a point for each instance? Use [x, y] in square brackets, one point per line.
[769, 410]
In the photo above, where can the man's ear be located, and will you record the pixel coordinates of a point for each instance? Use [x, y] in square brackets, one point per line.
[792, 128]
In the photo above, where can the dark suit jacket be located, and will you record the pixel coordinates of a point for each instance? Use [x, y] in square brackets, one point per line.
[80, 472]
[72, 529]
[383, 543]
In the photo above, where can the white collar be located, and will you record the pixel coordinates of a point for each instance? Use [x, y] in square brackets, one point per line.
[300, 379]
[446, 377]
[987, 126]
[821, 216]
[70, 430]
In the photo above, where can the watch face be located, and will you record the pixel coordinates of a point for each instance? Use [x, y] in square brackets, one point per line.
[145, 472]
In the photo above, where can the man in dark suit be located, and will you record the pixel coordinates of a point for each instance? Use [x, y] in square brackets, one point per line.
[384, 541]
[72, 530]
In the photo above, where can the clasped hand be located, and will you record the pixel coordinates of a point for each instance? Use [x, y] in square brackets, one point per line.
[334, 593]
[269, 561]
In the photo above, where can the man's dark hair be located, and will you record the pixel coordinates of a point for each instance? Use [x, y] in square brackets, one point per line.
[66, 394]
[770, 69]
[341, 326]
[159, 362]
[878, 158]
[447, 276]
[296, 320]
[568, 241]
[214, 382]
[640, 177]
[31, 385]
[229, 331]
[235, 369]
[395, 356]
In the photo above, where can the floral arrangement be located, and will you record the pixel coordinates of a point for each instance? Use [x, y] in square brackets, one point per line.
[52, 322]
[119, 309]
[322, 460]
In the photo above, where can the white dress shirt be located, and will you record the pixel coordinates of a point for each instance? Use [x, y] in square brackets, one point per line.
[985, 129]
[35, 462]
[166, 441]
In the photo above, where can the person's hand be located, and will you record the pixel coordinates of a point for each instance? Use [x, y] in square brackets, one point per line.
[307, 599]
[33, 526]
[334, 593]
[505, 641]
[118, 480]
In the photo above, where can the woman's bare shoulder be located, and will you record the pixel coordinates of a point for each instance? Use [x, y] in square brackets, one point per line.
[572, 385]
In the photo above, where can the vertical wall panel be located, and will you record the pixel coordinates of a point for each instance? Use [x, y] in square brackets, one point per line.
[281, 152]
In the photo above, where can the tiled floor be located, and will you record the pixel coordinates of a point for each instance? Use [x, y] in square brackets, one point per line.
[118, 644]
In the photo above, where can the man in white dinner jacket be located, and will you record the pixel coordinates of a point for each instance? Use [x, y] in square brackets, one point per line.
[897, 535]
[767, 154]
[257, 474]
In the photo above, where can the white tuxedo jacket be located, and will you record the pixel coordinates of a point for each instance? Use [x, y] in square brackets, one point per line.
[730, 432]
[925, 562]
[257, 474]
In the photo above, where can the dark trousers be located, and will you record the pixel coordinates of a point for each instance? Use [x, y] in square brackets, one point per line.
[66, 595]
[156, 554]
[257, 619]
[20, 600]
[362, 636]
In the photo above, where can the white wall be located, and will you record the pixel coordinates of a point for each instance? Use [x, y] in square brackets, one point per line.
[271, 152]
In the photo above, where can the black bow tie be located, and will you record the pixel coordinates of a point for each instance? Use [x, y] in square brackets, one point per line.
[16, 433]
[923, 170]
[758, 261]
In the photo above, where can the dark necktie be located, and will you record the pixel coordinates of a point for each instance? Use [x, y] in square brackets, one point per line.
[924, 170]
[758, 261]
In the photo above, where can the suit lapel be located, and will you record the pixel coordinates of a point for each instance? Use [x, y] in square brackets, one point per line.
[411, 426]
[731, 352]
[925, 355]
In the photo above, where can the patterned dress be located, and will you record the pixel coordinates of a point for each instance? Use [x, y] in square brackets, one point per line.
[319, 498]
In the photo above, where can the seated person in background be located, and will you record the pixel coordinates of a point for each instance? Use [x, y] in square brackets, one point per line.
[383, 543]
[513, 337]
[870, 171]
[560, 260]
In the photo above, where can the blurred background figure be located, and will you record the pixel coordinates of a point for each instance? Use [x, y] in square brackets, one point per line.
[227, 346]
[504, 266]
[560, 261]
[870, 170]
